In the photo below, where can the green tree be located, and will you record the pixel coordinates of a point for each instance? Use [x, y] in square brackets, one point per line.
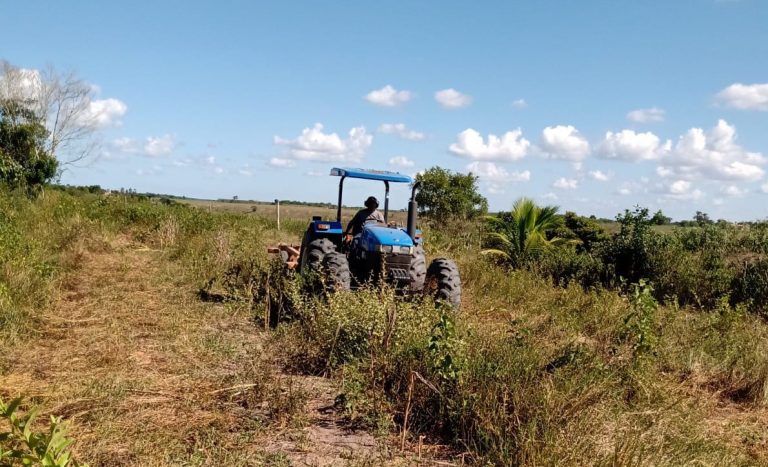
[445, 194]
[586, 230]
[702, 218]
[522, 233]
[24, 161]
[660, 219]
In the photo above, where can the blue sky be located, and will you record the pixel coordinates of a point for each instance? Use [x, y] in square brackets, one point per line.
[595, 106]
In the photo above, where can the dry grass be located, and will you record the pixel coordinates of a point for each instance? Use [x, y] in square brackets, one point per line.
[147, 374]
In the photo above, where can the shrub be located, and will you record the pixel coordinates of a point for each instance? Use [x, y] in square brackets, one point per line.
[21, 445]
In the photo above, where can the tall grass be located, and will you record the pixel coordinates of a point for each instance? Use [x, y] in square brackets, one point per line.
[527, 372]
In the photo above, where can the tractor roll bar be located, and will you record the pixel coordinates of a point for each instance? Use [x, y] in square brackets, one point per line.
[341, 191]
[386, 199]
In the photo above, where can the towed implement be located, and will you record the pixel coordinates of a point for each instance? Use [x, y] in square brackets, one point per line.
[382, 252]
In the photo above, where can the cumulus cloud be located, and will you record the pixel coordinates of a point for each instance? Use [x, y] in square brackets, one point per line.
[519, 104]
[733, 191]
[599, 175]
[564, 142]
[388, 97]
[402, 131]
[630, 146]
[85, 111]
[19, 83]
[745, 96]
[682, 190]
[494, 173]
[549, 196]
[152, 146]
[713, 154]
[510, 147]
[315, 145]
[452, 99]
[401, 161]
[650, 115]
[566, 183]
[103, 113]
[281, 163]
[159, 145]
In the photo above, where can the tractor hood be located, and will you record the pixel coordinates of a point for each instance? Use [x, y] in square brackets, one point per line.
[375, 235]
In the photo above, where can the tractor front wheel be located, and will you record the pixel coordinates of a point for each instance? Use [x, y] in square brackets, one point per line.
[443, 282]
[418, 269]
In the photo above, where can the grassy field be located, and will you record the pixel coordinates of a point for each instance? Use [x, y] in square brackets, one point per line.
[101, 322]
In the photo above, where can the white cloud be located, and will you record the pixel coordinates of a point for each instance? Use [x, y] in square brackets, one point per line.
[764, 188]
[185, 162]
[549, 196]
[282, 163]
[152, 146]
[564, 142]
[714, 155]
[495, 173]
[388, 97]
[682, 190]
[316, 173]
[452, 99]
[745, 96]
[20, 83]
[159, 145]
[103, 113]
[246, 170]
[680, 187]
[314, 145]
[599, 175]
[630, 146]
[510, 147]
[401, 161]
[733, 191]
[519, 104]
[566, 183]
[402, 131]
[650, 115]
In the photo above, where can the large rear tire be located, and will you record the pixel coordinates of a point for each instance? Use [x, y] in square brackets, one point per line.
[316, 252]
[330, 264]
[418, 269]
[443, 282]
[337, 274]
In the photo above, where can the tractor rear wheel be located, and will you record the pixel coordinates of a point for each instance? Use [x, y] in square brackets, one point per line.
[316, 252]
[443, 282]
[418, 269]
[332, 265]
[337, 274]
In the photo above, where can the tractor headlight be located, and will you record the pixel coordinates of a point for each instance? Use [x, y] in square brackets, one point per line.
[406, 250]
[385, 248]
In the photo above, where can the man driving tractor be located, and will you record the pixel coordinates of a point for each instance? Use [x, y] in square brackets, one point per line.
[370, 213]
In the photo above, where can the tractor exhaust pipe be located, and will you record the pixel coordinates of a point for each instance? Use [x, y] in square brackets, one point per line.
[412, 208]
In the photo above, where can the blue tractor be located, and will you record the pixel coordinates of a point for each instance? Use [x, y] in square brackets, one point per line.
[381, 252]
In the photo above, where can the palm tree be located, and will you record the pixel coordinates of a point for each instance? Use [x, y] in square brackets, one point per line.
[521, 234]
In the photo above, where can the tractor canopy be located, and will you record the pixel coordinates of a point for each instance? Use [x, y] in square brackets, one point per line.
[368, 174]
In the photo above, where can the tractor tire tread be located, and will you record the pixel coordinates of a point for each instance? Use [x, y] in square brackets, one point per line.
[418, 269]
[444, 274]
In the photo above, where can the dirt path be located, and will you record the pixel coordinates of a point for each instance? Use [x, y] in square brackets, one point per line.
[146, 374]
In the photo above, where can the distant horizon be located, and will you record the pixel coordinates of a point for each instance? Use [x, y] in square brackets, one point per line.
[578, 104]
[349, 206]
